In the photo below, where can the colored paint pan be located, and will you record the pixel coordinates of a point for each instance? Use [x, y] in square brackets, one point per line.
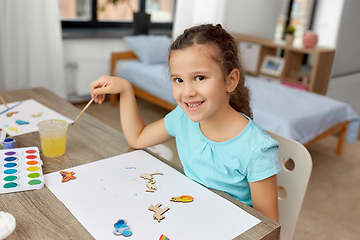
[12, 153]
[33, 175]
[31, 151]
[34, 182]
[10, 171]
[32, 162]
[10, 165]
[33, 169]
[10, 178]
[10, 159]
[10, 185]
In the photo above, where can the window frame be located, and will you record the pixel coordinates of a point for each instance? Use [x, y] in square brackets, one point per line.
[95, 24]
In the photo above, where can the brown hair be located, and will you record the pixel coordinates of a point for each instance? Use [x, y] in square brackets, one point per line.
[228, 58]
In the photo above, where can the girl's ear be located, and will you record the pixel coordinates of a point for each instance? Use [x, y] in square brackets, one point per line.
[232, 80]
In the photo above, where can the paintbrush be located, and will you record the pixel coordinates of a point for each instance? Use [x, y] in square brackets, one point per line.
[3, 101]
[87, 105]
[11, 107]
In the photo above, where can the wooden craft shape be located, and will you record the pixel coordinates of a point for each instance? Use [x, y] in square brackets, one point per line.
[67, 176]
[150, 176]
[121, 228]
[158, 211]
[163, 237]
[150, 185]
[183, 198]
[38, 114]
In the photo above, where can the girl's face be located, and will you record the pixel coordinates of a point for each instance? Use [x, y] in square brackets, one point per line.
[198, 83]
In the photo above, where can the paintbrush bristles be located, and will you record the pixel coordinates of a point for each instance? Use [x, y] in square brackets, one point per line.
[87, 105]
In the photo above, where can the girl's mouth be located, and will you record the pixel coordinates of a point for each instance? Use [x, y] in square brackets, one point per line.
[193, 105]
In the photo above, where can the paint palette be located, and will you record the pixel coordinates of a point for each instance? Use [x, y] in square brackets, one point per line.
[20, 170]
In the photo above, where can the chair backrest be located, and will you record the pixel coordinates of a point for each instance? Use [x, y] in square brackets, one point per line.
[292, 182]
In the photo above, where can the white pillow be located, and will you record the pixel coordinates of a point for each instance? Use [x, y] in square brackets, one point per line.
[150, 48]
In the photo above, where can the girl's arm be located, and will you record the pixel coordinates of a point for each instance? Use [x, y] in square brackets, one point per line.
[137, 134]
[264, 195]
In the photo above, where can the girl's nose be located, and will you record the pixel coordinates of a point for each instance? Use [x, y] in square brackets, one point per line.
[189, 90]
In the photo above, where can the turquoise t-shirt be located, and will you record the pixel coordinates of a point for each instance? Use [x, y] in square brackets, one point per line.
[226, 166]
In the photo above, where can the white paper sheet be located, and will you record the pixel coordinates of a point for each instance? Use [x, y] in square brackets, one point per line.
[25, 111]
[112, 189]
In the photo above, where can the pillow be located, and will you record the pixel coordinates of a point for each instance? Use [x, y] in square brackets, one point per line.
[150, 48]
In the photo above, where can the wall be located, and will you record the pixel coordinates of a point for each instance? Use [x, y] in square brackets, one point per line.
[85, 61]
[255, 17]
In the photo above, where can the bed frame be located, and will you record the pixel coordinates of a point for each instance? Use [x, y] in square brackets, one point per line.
[340, 128]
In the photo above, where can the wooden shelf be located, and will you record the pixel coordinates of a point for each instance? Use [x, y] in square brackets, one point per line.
[293, 60]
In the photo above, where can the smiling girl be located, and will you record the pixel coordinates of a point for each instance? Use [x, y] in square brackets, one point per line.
[218, 143]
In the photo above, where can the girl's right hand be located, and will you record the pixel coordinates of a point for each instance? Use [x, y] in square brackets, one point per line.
[114, 85]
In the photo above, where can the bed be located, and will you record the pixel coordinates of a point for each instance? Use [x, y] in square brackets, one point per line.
[299, 115]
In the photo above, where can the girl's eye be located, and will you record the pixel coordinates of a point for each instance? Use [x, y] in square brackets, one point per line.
[178, 80]
[199, 78]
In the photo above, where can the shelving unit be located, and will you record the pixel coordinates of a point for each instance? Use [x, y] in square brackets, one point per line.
[319, 75]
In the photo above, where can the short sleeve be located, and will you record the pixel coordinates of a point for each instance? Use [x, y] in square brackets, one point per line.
[171, 120]
[264, 161]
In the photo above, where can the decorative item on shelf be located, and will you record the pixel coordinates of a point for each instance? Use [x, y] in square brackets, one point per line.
[310, 39]
[272, 65]
[289, 35]
[303, 78]
[141, 22]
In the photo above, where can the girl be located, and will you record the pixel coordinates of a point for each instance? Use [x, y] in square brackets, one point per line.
[218, 144]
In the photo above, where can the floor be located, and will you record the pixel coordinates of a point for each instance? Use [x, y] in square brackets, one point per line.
[331, 208]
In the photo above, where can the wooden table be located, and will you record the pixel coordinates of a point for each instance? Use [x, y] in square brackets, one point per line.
[40, 215]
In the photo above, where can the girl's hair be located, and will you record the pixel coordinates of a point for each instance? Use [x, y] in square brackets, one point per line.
[228, 58]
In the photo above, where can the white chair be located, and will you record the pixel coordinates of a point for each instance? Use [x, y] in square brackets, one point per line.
[292, 182]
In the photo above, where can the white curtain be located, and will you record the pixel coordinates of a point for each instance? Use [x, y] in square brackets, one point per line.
[252, 17]
[193, 12]
[31, 46]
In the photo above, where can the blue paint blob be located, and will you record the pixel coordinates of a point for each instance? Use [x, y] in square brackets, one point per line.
[21, 122]
[10, 171]
[10, 159]
[10, 165]
[126, 233]
[121, 228]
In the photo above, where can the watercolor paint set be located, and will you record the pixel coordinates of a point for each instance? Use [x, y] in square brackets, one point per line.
[20, 170]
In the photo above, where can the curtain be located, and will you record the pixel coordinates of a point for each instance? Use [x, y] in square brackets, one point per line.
[193, 12]
[31, 47]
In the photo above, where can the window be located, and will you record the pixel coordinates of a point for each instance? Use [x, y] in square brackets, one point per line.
[297, 13]
[101, 13]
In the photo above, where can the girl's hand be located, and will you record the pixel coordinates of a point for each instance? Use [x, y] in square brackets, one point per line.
[114, 85]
